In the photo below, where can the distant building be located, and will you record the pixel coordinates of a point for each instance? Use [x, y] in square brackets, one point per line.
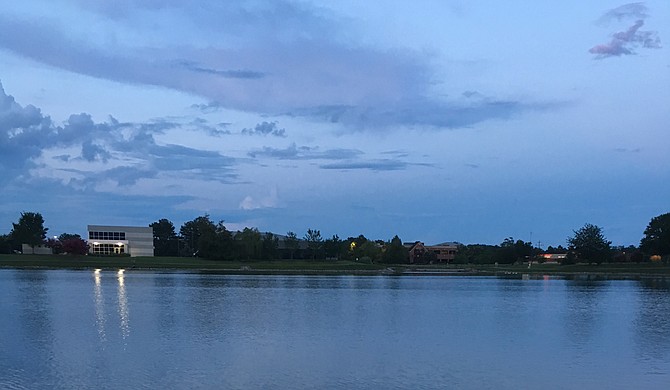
[444, 253]
[36, 250]
[119, 240]
[416, 251]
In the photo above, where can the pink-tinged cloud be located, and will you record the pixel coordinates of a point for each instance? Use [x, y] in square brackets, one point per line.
[624, 42]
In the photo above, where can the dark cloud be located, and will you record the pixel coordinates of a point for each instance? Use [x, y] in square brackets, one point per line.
[266, 128]
[294, 152]
[234, 74]
[25, 133]
[320, 74]
[625, 42]
[627, 11]
[628, 150]
[421, 112]
[344, 159]
[93, 152]
[375, 165]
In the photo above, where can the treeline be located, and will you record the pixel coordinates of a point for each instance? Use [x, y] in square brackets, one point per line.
[203, 238]
[30, 230]
[587, 245]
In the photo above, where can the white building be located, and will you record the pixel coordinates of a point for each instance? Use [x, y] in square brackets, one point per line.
[117, 240]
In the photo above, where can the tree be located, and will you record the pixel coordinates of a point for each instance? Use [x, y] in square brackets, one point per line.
[165, 239]
[191, 231]
[5, 244]
[395, 252]
[67, 236]
[314, 242]
[656, 240]
[75, 246]
[217, 243]
[29, 230]
[291, 243]
[251, 244]
[55, 244]
[270, 246]
[332, 247]
[589, 244]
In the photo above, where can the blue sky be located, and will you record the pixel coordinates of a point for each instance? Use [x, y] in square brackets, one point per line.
[467, 121]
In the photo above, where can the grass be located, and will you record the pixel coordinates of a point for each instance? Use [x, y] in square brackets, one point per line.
[184, 263]
[317, 266]
[557, 269]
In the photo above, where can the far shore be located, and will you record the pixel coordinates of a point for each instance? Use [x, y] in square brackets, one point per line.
[324, 267]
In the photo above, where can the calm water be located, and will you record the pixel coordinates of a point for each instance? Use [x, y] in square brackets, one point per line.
[75, 329]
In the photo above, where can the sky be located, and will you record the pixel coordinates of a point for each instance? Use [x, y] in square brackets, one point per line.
[467, 121]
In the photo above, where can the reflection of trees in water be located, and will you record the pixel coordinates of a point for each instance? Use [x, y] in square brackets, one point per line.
[652, 325]
[31, 346]
[584, 307]
[207, 304]
[36, 318]
[166, 287]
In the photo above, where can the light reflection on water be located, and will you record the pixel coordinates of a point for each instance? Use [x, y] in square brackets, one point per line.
[99, 306]
[123, 306]
[60, 329]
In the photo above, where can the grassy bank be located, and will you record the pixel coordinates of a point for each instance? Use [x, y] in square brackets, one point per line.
[318, 266]
[556, 269]
[184, 263]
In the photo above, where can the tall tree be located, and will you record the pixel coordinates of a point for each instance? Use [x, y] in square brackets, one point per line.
[270, 246]
[589, 244]
[332, 247]
[395, 252]
[291, 243]
[251, 243]
[217, 243]
[656, 240]
[165, 238]
[191, 231]
[314, 242]
[29, 230]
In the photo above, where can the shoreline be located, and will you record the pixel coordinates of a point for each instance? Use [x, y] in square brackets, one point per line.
[328, 267]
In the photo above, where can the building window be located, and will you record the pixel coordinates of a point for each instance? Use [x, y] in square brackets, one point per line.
[116, 236]
[108, 249]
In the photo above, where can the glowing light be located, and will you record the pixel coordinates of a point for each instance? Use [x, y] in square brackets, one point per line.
[97, 271]
[121, 271]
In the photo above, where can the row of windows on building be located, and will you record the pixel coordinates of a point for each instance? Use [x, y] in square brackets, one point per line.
[107, 236]
[108, 249]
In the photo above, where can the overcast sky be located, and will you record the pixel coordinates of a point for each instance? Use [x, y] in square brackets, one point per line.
[467, 121]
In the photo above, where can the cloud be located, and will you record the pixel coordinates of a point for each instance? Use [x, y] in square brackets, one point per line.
[375, 165]
[265, 128]
[92, 152]
[627, 11]
[116, 151]
[421, 112]
[24, 132]
[323, 74]
[625, 42]
[269, 201]
[234, 74]
[294, 152]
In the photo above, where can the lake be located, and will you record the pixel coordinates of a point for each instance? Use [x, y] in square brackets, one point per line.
[81, 329]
